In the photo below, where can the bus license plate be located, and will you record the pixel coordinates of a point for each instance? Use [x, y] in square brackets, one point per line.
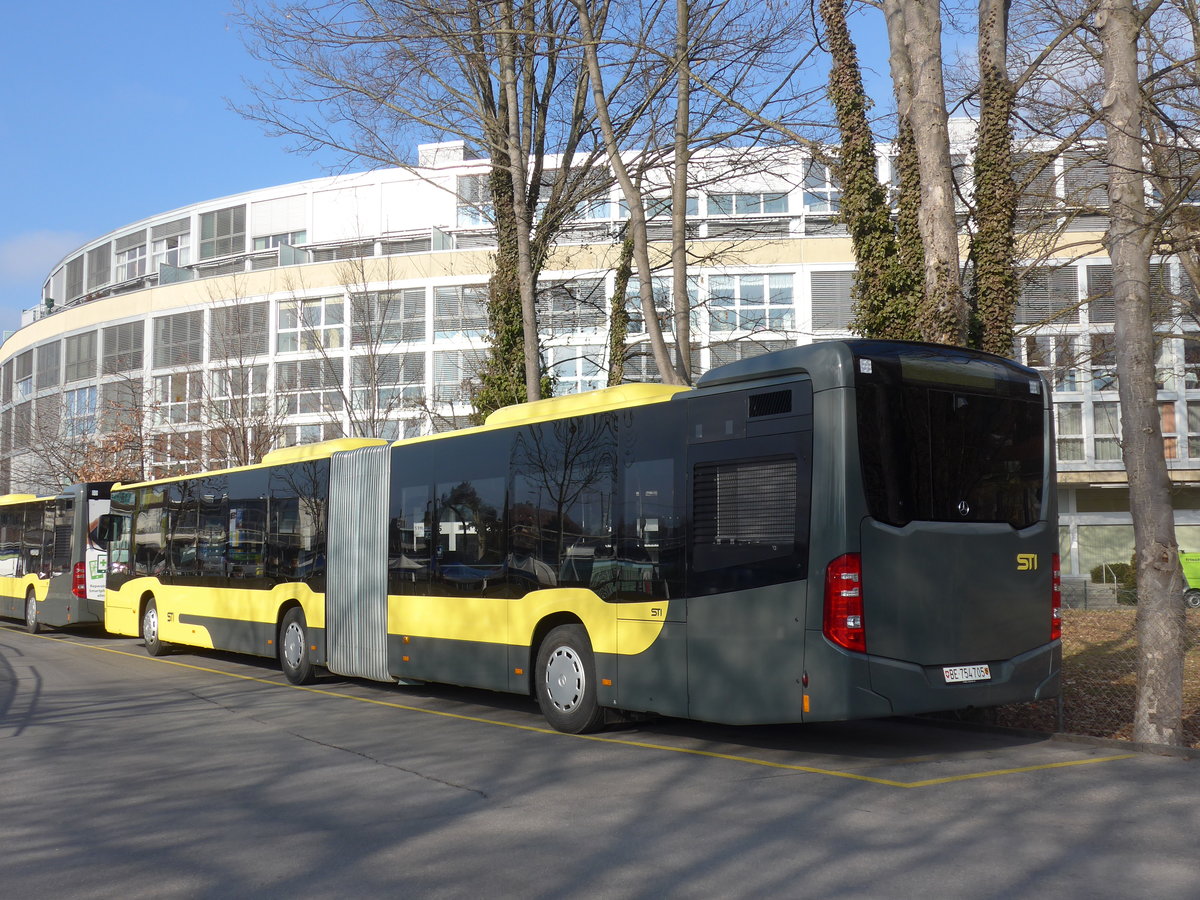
[961, 674]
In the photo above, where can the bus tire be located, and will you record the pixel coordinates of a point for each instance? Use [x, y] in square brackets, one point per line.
[32, 625]
[1191, 598]
[293, 648]
[154, 646]
[565, 681]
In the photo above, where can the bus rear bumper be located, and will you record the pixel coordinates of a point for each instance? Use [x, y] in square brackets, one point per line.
[911, 688]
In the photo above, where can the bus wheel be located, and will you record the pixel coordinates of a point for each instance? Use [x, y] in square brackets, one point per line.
[32, 625]
[293, 648]
[154, 647]
[1192, 598]
[565, 679]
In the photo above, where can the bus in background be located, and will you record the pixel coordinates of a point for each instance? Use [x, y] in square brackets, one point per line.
[842, 530]
[52, 562]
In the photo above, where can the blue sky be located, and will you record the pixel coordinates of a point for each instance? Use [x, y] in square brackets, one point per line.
[114, 111]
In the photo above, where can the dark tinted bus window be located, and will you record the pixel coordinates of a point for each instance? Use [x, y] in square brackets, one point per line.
[149, 533]
[470, 543]
[563, 479]
[410, 523]
[298, 511]
[183, 519]
[246, 553]
[39, 520]
[651, 514]
[212, 534]
[11, 523]
[120, 561]
[950, 455]
[64, 526]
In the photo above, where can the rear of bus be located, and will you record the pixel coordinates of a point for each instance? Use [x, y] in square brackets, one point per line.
[940, 586]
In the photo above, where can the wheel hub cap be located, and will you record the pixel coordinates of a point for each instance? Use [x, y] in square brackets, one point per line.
[564, 679]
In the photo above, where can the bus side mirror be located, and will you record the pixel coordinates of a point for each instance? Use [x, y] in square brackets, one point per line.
[109, 529]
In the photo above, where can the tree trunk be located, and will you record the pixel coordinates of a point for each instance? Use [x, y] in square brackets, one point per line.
[885, 302]
[633, 196]
[517, 170]
[1160, 614]
[679, 281]
[995, 288]
[916, 27]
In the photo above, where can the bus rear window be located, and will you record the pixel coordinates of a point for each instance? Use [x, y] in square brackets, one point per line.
[949, 454]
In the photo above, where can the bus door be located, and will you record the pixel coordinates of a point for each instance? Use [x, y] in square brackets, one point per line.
[95, 552]
[750, 472]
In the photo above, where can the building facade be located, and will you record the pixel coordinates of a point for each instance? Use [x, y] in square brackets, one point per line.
[357, 305]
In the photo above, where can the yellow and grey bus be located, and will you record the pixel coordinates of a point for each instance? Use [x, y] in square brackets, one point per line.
[52, 563]
[843, 530]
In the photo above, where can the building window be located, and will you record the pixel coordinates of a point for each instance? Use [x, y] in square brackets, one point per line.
[223, 232]
[1069, 417]
[576, 369]
[239, 331]
[1056, 358]
[660, 287]
[572, 307]
[240, 390]
[1049, 294]
[75, 278]
[832, 308]
[460, 312]
[294, 435]
[123, 347]
[388, 317]
[1106, 421]
[1193, 423]
[81, 356]
[764, 203]
[309, 386]
[171, 244]
[454, 373]
[822, 194]
[177, 398]
[306, 325]
[1167, 420]
[1104, 362]
[48, 365]
[130, 253]
[24, 376]
[475, 201]
[291, 238]
[178, 339]
[99, 266]
[79, 412]
[386, 382]
[751, 303]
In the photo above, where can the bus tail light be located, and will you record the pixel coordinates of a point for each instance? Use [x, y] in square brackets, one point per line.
[1055, 598]
[79, 580]
[843, 622]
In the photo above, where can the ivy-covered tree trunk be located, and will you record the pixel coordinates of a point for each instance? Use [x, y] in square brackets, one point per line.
[618, 323]
[995, 289]
[502, 378]
[885, 305]
[915, 33]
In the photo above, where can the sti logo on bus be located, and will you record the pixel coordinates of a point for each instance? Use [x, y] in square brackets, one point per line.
[1026, 562]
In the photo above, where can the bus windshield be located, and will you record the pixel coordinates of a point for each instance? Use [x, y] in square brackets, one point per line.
[956, 444]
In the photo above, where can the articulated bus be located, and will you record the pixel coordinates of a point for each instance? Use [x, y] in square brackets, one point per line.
[843, 530]
[52, 562]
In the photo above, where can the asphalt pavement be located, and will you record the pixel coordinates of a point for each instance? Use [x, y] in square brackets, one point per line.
[206, 775]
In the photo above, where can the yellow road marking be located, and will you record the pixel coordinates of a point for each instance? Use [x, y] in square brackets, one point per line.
[642, 745]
